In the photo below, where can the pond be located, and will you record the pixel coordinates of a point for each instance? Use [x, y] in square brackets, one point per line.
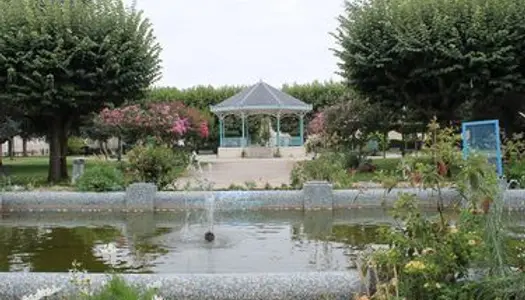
[284, 241]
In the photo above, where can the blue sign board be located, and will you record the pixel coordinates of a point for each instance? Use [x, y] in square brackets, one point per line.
[483, 137]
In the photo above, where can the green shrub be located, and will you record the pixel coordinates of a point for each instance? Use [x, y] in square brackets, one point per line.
[119, 289]
[515, 170]
[101, 178]
[75, 145]
[329, 167]
[157, 164]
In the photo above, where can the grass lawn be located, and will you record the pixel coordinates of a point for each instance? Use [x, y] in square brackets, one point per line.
[33, 170]
[386, 164]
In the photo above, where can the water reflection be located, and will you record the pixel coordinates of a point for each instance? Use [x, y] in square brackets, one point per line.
[245, 242]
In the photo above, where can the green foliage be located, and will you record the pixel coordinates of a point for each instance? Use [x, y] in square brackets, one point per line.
[75, 145]
[118, 289]
[328, 166]
[513, 149]
[8, 129]
[316, 93]
[62, 60]
[446, 58]
[516, 171]
[157, 164]
[353, 121]
[101, 178]
[430, 257]
[115, 289]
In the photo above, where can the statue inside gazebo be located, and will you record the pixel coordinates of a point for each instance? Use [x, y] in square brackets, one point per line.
[261, 99]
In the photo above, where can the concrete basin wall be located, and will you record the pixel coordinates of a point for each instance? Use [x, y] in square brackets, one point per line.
[249, 286]
[142, 197]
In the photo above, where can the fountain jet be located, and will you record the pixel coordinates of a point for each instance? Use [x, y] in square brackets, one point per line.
[209, 236]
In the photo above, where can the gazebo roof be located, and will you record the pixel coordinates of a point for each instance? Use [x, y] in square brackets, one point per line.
[261, 98]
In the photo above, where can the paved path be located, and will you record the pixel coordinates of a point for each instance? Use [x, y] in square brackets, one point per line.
[241, 171]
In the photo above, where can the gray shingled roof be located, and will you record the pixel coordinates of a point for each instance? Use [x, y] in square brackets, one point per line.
[263, 98]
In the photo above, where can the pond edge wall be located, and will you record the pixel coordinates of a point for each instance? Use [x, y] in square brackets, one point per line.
[144, 197]
[247, 286]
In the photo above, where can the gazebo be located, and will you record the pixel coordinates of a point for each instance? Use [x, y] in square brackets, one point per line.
[261, 99]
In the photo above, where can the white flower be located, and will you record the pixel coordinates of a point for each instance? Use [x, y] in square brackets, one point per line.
[107, 252]
[154, 285]
[42, 293]
[156, 297]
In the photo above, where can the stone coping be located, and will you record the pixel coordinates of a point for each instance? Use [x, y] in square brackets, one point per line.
[143, 197]
[249, 286]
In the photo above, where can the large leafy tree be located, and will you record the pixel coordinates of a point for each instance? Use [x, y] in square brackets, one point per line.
[436, 57]
[62, 60]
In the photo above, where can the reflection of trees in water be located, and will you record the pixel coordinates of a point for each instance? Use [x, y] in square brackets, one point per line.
[326, 237]
[52, 249]
[41, 249]
[351, 234]
[320, 251]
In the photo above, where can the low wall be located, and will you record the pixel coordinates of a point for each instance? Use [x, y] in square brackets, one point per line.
[143, 197]
[251, 286]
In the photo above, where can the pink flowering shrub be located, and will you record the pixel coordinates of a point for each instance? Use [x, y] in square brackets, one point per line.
[318, 124]
[167, 122]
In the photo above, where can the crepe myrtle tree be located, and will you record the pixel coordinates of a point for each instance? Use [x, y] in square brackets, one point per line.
[62, 60]
[167, 122]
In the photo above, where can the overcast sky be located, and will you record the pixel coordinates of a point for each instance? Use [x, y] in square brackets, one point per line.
[238, 42]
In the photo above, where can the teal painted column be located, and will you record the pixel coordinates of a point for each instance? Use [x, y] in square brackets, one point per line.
[247, 132]
[221, 131]
[301, 129]
[278, 138]
[243, 142]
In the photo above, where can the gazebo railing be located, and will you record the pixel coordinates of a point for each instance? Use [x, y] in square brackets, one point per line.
[239, 142]
[234, 142]
[296, 141]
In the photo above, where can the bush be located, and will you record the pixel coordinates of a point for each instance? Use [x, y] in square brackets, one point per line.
[118, 288]
[157, 164]
[75, 146]
[515, 170]
[101, 178]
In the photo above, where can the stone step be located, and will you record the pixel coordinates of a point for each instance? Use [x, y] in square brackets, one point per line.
[259, 152]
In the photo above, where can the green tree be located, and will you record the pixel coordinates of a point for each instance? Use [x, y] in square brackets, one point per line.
[62, 60]
[440, 57]
[351, 122]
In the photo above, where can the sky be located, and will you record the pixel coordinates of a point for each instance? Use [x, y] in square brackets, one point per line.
[239, 42]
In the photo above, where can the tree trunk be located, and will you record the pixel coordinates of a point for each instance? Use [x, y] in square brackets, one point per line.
[58, 137]
[385, 143]
[102, 147]
[24, 147]
[11, 148]
[119, 150]
[63, 153]
[1, 152]
[55, 149]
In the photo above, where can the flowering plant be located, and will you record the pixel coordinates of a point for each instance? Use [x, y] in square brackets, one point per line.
[167, 122]
[431, 257]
